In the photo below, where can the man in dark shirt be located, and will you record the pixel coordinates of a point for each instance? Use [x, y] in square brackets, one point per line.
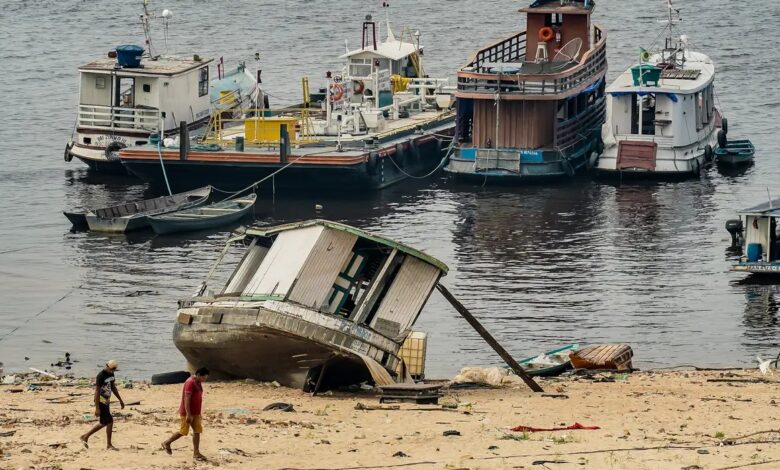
[105, 385]
[189, 413]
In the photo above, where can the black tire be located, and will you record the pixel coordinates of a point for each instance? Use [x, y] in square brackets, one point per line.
[599, 147]
[168, 378]
[722, 140]
[724, 125]
[696, 170]
[112, 148]
[68, 155]
[708, 153]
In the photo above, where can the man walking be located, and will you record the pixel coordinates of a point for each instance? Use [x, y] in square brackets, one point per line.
[105, 385]
[189, 413]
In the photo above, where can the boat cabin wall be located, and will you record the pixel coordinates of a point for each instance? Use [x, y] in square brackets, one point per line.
[566, 26]
[185, 97]
[522, 124]
[95, 89]
[761, 230]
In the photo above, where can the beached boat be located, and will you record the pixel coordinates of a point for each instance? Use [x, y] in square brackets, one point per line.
[551, 363]
[603, 356]
[135, 215]
[661, 114]
[530, 106]
[310, 303]
[211, 216]
[135, 93]
[757, 228]
[735, 152]
[377, 122]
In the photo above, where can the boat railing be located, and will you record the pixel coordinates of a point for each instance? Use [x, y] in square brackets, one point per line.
[113, 117]
[576, 129]
[260, 127]
[480, 80]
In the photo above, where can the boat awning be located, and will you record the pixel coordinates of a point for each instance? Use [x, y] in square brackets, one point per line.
[769, 208]
[391, 49]
[671, 96]
[271, 231]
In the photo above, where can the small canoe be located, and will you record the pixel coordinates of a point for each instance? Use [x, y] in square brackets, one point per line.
[735, 152]
[551, 363]
[201, 218]
[603, 356]
[135, 215]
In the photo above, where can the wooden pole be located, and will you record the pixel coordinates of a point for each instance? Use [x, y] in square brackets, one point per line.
[489, 339]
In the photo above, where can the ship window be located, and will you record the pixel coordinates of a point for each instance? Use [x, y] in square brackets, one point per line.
[203, 82]
[555, 19]
[100, 82]
[645, 104]
[147, 88]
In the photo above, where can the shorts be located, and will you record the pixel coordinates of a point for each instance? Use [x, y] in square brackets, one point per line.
[105, 414]
[184, 427]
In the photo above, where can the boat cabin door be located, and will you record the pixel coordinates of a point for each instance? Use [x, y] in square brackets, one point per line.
[124, 96]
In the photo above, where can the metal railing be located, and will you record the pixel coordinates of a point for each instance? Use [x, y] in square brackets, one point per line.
[225, 126]
[572, 131]
[476, 77]
[113, 117]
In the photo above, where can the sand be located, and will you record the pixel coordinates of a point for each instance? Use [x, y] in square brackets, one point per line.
[670, 420]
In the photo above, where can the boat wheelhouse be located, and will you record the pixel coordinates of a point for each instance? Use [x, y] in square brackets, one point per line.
[132, 94]
[314, 302]
[661, 114]
[377, 122]
[531, 105]
[758, 229]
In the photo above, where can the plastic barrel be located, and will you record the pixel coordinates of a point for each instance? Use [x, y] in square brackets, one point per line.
[129, 55]
[754, 252]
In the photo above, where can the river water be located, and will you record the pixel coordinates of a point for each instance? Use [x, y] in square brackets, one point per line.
[541, 266]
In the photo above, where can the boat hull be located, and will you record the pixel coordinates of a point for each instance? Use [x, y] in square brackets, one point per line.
[167, 225]
[771, 269]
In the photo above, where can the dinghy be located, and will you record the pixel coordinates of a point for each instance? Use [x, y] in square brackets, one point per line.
[735, 152]
[551, 363]
[200, 218]
[135, 215]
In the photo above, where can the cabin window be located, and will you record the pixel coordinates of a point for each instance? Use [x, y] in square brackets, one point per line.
[100, 83]
[643, 122]
[203, 82]
[125, 92]
[147, 88]
[555, 19]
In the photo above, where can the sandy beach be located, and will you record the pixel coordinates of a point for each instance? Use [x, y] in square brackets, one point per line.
[669, 420]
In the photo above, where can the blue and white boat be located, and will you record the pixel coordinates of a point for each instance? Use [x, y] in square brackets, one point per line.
[531, 106]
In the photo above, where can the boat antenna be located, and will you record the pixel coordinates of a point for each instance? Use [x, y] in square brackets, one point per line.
[770, 197]
[390, 35]
[145, 23]
[166, 15]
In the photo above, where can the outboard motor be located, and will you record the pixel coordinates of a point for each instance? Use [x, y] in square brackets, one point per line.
[736, 229]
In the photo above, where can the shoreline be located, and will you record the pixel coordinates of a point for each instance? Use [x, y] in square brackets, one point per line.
[653, 420]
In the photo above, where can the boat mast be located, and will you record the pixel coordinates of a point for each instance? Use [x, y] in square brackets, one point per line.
[146, 24]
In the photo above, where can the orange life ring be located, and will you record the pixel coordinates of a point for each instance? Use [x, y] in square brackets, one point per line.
[359, 87]
[546, 34]
[336, 92]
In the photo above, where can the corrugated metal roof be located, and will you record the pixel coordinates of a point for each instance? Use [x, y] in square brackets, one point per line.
[325, 261]
[270, 231]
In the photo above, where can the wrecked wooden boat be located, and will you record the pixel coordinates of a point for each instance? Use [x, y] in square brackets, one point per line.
[603, 357]
[311, 305]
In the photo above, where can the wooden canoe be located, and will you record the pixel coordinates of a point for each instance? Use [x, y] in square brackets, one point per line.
[736, 152]
[204, 217]
[603, 356]
[549, 364]
[135, 215]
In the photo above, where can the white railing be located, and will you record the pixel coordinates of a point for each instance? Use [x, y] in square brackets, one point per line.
[111, 117]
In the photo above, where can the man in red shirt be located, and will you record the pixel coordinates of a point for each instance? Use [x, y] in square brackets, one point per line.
[189, 413]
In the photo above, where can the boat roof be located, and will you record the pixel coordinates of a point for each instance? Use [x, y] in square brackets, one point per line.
[270, 231]
[769, 208]
[571, 7]
[391, 48]
[694, 62]
[164, 66]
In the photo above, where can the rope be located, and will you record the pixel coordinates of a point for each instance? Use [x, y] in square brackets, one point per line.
[165, 174]
[438, 167]
[42, 311]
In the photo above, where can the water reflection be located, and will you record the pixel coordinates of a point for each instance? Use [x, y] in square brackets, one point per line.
[761, 309]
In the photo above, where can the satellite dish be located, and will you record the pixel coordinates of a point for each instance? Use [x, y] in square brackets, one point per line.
[167, 14]
[569, 52]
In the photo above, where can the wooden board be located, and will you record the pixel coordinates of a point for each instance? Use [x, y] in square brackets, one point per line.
[636, 154]
[603, 356]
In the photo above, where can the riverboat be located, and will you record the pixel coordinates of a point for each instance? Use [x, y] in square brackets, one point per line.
[530, 106]
[134, 93]
[661, 115]
[311, 304]
[757, 230]
[377, 122]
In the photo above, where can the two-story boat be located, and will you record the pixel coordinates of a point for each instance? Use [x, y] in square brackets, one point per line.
[134, 93]
[379, 121]
[757, 229]
[310, 303]
[531, 106]
[661, 114]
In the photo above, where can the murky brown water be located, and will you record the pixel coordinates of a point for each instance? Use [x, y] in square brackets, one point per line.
[542, 266]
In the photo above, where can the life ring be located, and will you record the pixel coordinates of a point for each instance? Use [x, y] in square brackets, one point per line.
[112, 150]
[336, 92]
[359, 87]
[68, 155]
[546, 34]
[645, 56]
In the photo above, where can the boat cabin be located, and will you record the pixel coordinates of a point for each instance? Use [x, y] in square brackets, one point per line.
[155, 91]
[762, 250]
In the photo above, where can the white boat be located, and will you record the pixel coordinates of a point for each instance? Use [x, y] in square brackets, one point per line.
[756, 228]
[661, 115]
[134, 93]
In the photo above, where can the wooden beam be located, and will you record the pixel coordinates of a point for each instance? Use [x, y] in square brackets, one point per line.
[489, 339]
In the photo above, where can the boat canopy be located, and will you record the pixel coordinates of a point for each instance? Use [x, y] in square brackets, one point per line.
[272, 231]
[769, 208]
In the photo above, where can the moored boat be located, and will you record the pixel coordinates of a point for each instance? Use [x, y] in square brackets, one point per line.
[662, 121]
[757, 229]
[310, 303]
[211, 216]
[134, 93]
[135, 215]
[374, 124]
[531, 105]
[735, 152]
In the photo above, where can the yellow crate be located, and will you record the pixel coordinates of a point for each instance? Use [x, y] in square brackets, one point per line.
[267, 129]
[413, 353]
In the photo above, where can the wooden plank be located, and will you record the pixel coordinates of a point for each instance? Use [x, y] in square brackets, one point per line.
[489, 339]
